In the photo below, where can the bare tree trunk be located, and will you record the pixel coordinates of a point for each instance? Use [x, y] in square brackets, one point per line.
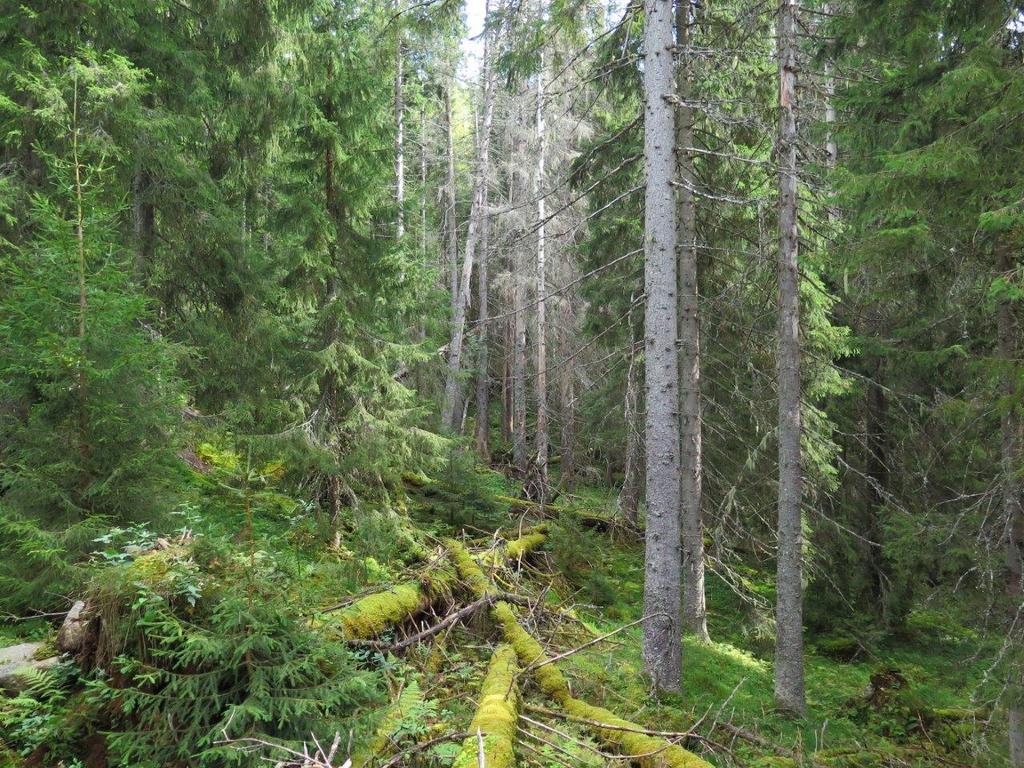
[877, 471]
[483, 380]
[506, 379]
[694, 604]
[84, 446]
[520, 451]
[1013, 510]
[662, 650]
[542, 349]
[452, 410]
[143, 220]
[451, 224]
[400, 139]
[568, 440]
[423, 184]
[328, 381]
[633, 480]
[789, 642]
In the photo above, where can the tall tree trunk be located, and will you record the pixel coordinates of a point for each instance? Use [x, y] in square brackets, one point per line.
[328, 381]
[483, 379]
[789, 641]
[662, 650]
[633, 476]
[520, 450]
[451, 224]
[568, 439]
[84, 446]
[143, 222]
[542, 349]
[1013, 510]
[694, 603]
[451, 414]
[400, 138]
[506, 378]
[877, 472]
[518, 192]
[423, 184]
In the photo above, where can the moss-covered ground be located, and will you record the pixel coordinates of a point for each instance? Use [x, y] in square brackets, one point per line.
[584, 581]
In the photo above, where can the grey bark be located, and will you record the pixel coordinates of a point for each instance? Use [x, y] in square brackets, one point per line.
[633, 480]
[542, 351]
[789, 663]
[483, 381]
[1016, 724]
[1013, 509]
[400, 140]
[451, 225]
[694, 602]
[451, 414]
[662, 650]
[520, 446]
[520, 451]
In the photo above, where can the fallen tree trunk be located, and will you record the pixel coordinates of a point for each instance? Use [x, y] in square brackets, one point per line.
[621, 735]
[587, 520]
[370, 616]
[492, 734]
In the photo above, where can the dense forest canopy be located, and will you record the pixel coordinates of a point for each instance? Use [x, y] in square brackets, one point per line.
[494, 383]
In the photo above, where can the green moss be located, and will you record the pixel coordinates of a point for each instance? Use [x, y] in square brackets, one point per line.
[775, 762]
[497, 715]
[524, 545]
[468, 570]
[656, 751]
[549, 678]
[371, 615]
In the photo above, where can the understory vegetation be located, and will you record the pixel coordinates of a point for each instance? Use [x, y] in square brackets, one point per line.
[487, 383]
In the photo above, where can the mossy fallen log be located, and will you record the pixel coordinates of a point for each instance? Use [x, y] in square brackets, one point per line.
[586, 519]
[648, 751]
[496, 716]
[371, 615]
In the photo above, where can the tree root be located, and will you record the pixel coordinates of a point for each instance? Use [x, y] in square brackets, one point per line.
[493, 730]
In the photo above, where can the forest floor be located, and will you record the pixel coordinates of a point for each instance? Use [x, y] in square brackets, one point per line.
[901, 701]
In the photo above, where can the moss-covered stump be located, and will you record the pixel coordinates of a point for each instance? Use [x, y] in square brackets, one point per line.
[496, 716]
[623, 736]
[369, 616]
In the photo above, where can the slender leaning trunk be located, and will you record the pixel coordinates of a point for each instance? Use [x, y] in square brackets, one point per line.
[452, 412]
[451, 224]
[662, 650]
[694, 603]
[789, 642]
